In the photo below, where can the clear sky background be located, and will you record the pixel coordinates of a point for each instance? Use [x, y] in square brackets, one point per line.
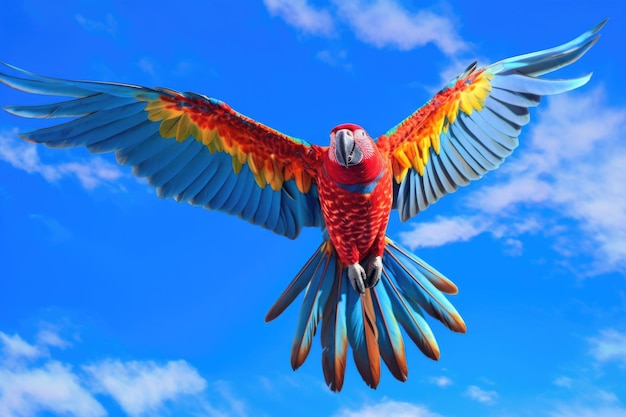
[116, 303]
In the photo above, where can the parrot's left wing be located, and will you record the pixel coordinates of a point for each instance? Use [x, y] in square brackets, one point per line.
[473, 124]
[190, 147]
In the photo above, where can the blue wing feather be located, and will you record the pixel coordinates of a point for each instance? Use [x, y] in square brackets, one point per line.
[476, 143]
[173, 187]
[111, 117]
[129, 138]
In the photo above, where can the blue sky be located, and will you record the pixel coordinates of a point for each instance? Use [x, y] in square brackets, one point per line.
[116, 303]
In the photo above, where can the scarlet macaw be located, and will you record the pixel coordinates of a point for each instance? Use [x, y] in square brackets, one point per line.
[360, 284]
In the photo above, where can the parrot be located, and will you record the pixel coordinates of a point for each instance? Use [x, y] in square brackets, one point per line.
[361, 289]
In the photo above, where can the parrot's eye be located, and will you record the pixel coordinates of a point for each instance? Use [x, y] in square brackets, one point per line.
[360, 134]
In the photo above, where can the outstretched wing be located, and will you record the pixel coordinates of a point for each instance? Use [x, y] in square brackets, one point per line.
[473, 124]
[190, 147]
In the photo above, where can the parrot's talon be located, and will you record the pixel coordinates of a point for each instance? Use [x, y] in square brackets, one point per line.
[374, 271]
[357, 277]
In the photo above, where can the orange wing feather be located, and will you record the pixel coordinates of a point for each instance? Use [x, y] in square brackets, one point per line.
[411, 141]
[272, 157]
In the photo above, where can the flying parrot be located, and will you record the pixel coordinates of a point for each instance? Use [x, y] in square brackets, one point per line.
[360, 286]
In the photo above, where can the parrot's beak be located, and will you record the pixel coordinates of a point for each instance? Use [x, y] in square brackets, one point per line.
[348, 154]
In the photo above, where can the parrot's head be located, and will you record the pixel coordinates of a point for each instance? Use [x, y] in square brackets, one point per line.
[350, 145]
[353, 156]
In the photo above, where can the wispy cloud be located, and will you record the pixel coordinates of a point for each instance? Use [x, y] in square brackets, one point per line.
[300, 14]
[609, 346]
[589, 402]
[380, 23]
[387, 408]
[26, 390]
[571, 164]
[482, 396]
[33, 382]
[48, 337]
[146, 65]
[107, 26]
[16, 347]
[141, 387]
[51, 387]
[441, 381]
[577, 411]
[55, 232]
[444, 230]
[338, 59]
[24, 156]
[385, 23]
[563, 381]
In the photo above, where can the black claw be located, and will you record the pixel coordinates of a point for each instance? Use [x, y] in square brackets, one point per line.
[373, 275]
[358, 286]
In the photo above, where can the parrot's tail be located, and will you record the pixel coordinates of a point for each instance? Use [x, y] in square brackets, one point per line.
[371, 322]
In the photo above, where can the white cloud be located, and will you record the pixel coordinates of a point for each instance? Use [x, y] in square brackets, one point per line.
[146, 65]
[52, 387]
[31, 382]
[385, 23]
[443, 231]
[441, 381]
[108, 26]
[577, 411]
[300, 14]
[563, 381]
[338, 59]
[381, 23]
[589, 401]
[140, 387]
[482, 396]
[15, 347]
[16, 350]
[57, 233]
[22, 155]
[388, 408]
[27, 390]
[572, 165]
[609, 346]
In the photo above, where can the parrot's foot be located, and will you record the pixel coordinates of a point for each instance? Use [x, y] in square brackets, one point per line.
[374, 271]
[358, 277]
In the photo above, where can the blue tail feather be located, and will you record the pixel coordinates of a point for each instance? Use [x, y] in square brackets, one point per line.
[370, 323]
[315, 297]
[411, 317]
[420, 290]
[389, 334]
[363, 335]
[298, 284]
[334, 334]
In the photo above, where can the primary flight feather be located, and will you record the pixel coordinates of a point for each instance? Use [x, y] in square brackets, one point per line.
[359, 284]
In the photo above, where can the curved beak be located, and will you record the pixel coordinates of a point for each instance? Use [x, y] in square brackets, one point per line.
[348, 154]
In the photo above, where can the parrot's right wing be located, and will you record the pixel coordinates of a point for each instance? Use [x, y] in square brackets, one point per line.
[190, 147]
[473, 124]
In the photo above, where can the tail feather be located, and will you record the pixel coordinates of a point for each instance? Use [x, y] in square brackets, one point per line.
[435, 277]
[298, 284]
[412, 319]
[418, 289]
[389, 335]
[315, 298]
[363, 336]
[334, 334]
[370, 323]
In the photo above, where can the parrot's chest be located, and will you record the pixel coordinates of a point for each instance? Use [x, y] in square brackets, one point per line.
[356, 216]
